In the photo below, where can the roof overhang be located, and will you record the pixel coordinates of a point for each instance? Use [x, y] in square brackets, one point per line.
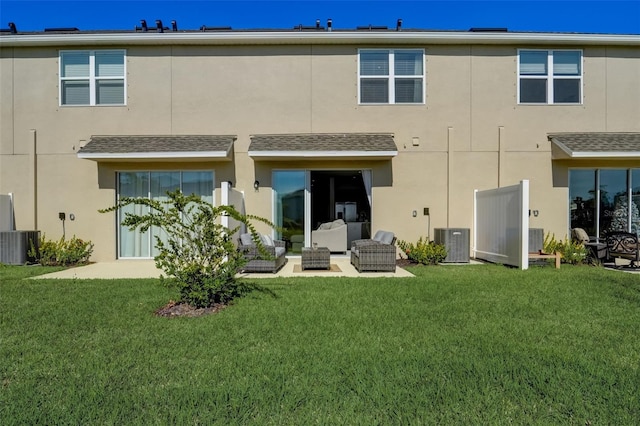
[163, 148]
[595, 145]
[277, 37]
[323, 146]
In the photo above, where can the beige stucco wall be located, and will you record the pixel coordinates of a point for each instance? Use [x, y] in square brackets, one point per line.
[471, 133]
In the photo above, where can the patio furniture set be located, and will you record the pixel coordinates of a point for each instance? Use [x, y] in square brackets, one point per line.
[616, 245]
[377, 254]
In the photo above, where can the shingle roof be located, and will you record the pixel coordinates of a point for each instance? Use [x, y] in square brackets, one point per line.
[323, 145]
[157, 146]
[597, 144]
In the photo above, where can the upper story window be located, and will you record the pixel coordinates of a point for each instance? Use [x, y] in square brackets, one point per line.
[391, 76]
[92, 77]
[550, 76]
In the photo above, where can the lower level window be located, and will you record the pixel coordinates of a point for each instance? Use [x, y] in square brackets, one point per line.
[155, 185]
[603, 200]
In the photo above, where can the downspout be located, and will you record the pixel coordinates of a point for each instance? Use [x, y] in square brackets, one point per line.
[449, 171]
[500, 154]
[33, 161]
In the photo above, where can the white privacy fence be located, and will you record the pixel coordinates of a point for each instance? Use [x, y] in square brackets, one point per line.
[235, 198]
[7, 222]
[501, 225]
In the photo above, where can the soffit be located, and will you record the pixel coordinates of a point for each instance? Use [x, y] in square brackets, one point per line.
[314, 146]
[595, 145]
[158, 148]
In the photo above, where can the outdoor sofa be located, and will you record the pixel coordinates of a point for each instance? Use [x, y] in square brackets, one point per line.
[332, 235]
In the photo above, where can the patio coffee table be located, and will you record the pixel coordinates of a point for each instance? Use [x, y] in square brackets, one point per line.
[315, 258]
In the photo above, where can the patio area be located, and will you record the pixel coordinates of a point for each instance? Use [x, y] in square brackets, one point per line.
[340, 267]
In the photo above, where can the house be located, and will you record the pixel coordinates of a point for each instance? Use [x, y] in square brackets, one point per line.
[394, 127]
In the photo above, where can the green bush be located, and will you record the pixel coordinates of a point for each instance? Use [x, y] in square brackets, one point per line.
[199, 256]
[572, 252]
[424, 251]
[62, 252]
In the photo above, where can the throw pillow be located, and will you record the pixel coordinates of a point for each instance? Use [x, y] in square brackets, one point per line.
[267, 240]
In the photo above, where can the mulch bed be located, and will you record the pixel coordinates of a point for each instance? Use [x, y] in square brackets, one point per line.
[405, 262]
[174, 309]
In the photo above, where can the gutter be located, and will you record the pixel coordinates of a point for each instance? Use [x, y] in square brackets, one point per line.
[231, 38]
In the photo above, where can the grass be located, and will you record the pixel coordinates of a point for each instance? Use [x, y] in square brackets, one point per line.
[456, 345]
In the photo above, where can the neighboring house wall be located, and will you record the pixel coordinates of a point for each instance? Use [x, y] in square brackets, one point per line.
[469, 134]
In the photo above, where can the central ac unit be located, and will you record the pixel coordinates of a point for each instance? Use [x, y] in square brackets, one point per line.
[456, 241]
[15, 246]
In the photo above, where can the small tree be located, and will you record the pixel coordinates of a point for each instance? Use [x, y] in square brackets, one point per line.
[199, 257]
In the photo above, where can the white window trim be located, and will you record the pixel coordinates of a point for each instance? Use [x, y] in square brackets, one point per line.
[550, 77]
[92, 77]
[392, 77]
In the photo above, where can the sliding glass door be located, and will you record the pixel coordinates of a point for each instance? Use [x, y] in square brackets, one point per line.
[155, 185]
[290, 194]
[603, 200]
[304, 199]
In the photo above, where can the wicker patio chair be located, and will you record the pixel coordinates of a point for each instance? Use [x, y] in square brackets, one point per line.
[377, 254]
[271, 259]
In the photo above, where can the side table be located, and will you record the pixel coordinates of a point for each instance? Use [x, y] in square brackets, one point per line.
[315, 258]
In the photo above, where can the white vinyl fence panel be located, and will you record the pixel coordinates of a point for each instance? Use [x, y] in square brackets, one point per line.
[7, 222]
[501, 225]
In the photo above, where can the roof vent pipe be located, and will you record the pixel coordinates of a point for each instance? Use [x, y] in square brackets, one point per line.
[159, 26]
[329, 23]
[12, 28]
[174, 26]
[317, 24]
[143, 24]
[399, 25]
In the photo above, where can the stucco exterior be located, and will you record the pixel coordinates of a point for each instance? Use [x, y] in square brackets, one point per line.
[470, 133]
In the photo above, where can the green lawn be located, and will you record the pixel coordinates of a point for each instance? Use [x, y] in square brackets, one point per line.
[456, 345]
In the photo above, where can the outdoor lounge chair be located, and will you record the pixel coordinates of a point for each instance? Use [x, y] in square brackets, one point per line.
[597, 251]
[377, 254]
[271, 260]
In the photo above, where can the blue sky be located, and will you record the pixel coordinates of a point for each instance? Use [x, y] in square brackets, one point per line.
[615, 17]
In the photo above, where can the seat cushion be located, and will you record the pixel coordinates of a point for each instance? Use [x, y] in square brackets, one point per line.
[580, 234]
[325, 226]
[337, 223]
[246, 239]
[387, 237]
[378, 236]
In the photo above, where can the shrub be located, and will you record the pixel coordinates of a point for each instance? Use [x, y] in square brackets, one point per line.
[572, 252]
[62, 252]
[198, 257]
[424, 251]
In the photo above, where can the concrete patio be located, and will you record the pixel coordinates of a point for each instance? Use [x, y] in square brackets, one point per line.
[340, 267]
